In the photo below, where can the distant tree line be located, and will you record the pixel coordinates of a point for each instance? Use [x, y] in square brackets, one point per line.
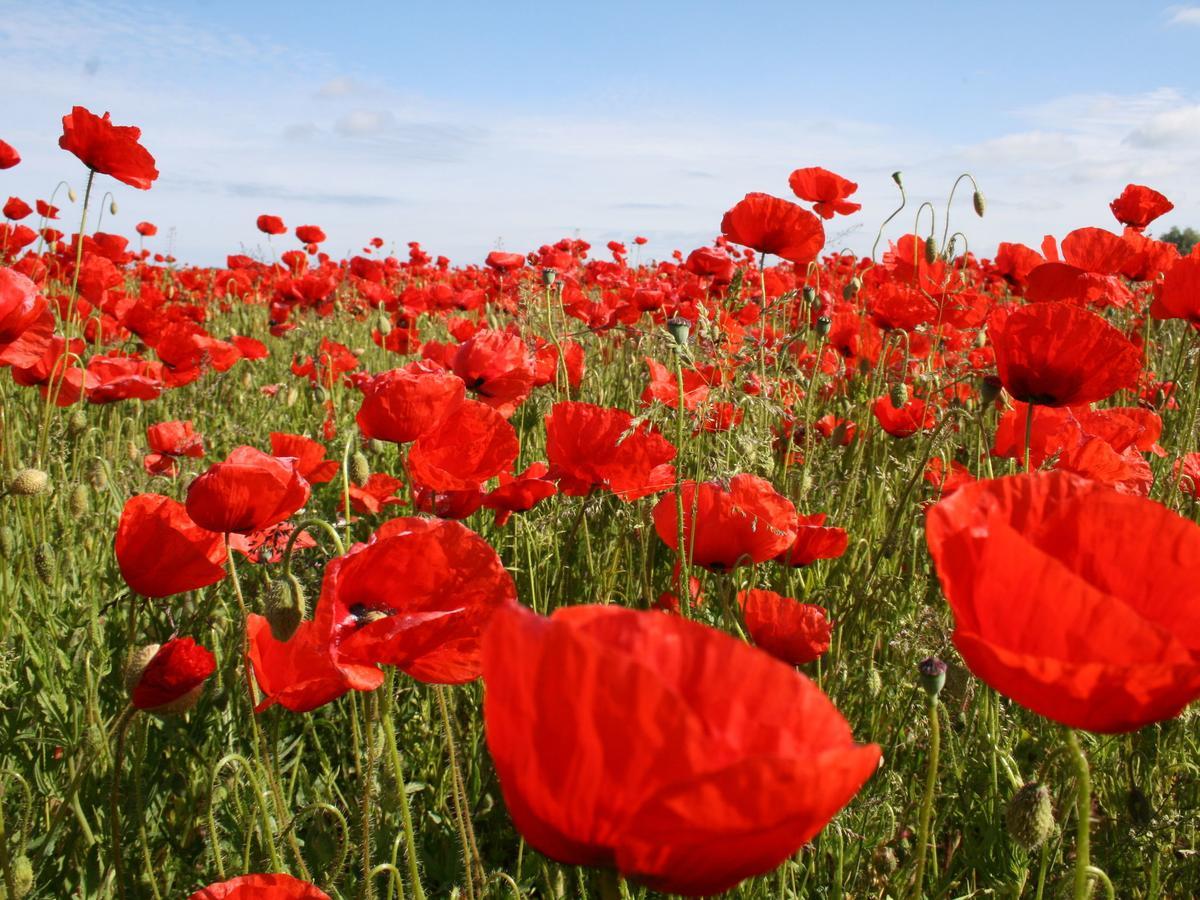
[1183, 238]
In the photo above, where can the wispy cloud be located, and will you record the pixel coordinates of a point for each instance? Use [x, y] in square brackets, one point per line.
[1183, 15]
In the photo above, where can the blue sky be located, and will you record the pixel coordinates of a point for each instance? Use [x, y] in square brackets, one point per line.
[474, 126]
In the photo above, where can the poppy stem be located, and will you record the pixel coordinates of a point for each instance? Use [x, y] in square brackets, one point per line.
[114, 801]
[410, 840]
[685, 567]
[466, 833]
[935, 739]
[1083, 816]
[1028, 431]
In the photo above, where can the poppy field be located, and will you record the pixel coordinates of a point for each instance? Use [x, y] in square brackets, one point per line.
[759, 569]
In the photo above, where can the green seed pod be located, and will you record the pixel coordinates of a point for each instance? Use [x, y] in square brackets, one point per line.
[898, 394]
[44, 563]
[931, 250]
[1029, 817]
[97, 474]
[823, 326]
[319, 393]
[78, 503]
[810, 294]
[78, 423]
[548, 277]
[360, 468]
[284, 607]
[679, 328]
[979, 203]
[27, 482]
[896, 177]
[8, 542]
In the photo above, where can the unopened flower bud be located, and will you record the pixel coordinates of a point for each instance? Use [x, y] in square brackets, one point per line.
[898, 394]
[1029, 816]
[112, 207]
[97, 475]
[8, 542]
[27, 482]
[78, 502]
[931, 250]
[44, 563]
[71, 195]
[979, 203]
[284, 607]
[78, 423]
[360, 468]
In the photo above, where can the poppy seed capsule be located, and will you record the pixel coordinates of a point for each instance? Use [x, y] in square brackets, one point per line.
[360, 468]
[898, 394]
[824, 325]
[810, 294]
[548, 276]
[680, 328]
[896, 177]
[1029, 816]
[28, 482]
[933, 675]
[979, 203]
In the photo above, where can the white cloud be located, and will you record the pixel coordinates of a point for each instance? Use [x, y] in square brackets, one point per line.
[1184, 15]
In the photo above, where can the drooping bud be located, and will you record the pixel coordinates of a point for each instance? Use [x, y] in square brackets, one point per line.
[931, 250]
[933, 675]
[78, 502]
[284, 607]
[8, 542]
[132, 451]
[44, 563]
[360, 468]
[27, 482]
[112, 207]
[77, 424]
[375, 445]
[898, 394]
[97, 475]
[71, 195]
[979, 203]
[319, 393]
[385, 325]
[874, 682]
[680, 328]
[1029, 816]
[293, 395]
[853, 286]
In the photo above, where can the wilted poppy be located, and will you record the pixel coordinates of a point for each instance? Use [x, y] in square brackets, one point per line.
[591, 447]
[161, 551]
[789, 630]
[767, 224]
[1075, 600]
[671, 751]
[417, 596]
[402, 404]
[1058, 354]
[1139, 205]
[261, 887]
[107, 148]
[250, 490]
[826, 190]
[725, 526]
[178, 669]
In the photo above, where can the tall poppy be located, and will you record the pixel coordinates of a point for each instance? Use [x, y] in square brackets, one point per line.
[826, 190]
[271, 225]
[249, 491]
[1058, 354]
[668, 750]
[725, 526]
[1139, 205]
[161, 551]
[1075, 600]
[767, 224]
[107, 148]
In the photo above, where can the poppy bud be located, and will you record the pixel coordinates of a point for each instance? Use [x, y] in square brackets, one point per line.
[978, 202]
[71, 195]
[132, 451]
[898, 394]
[824, 325]
[853, 286]
[375, 445]
[1029, 816]
[810, 294]
[44, 563]
[680, 328]
[78, 423]
[385, 325]
[933, 675]
[950, 247]
[112, 207]
[135, 664]
[285, 605]
[360, 468]
[874, 682]
[989, 389]
[548, 276]
[22, 877]
[293, 394]
[28, 482]
[78, 503]
[8, 542]
[931, 250]
[896, 177]
[97, 475]
[884, 861]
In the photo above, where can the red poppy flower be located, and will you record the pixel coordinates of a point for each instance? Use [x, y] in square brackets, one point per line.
[745, 523]
[791, 631]
[402, 404]
[249, 491]
[814, 540]
[161, 551]
[178, 669]
[468, 448]
[268, 544]
[168, 440]
[26, 322]
[310, 234]
[300, 674]
[377, 492]
[1057, 354]
[107, 148]
[546, 364]
[824, 189]
[16, 209]
[261, 887]
[1177, 296]
[497, 367]
[146, 229]
[8, 156]
[915, 415]
[417, 596]
[767, 224]
[711, 262]
[505, 262]
[520, 493]
[1139, 205]
[621, 740]
[1073, 599]
[591, 447]
[309, 456]
[271, 225]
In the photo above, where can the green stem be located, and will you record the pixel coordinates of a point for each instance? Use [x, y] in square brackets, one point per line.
[935, 740]
[410, 840]
[1083, 816]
